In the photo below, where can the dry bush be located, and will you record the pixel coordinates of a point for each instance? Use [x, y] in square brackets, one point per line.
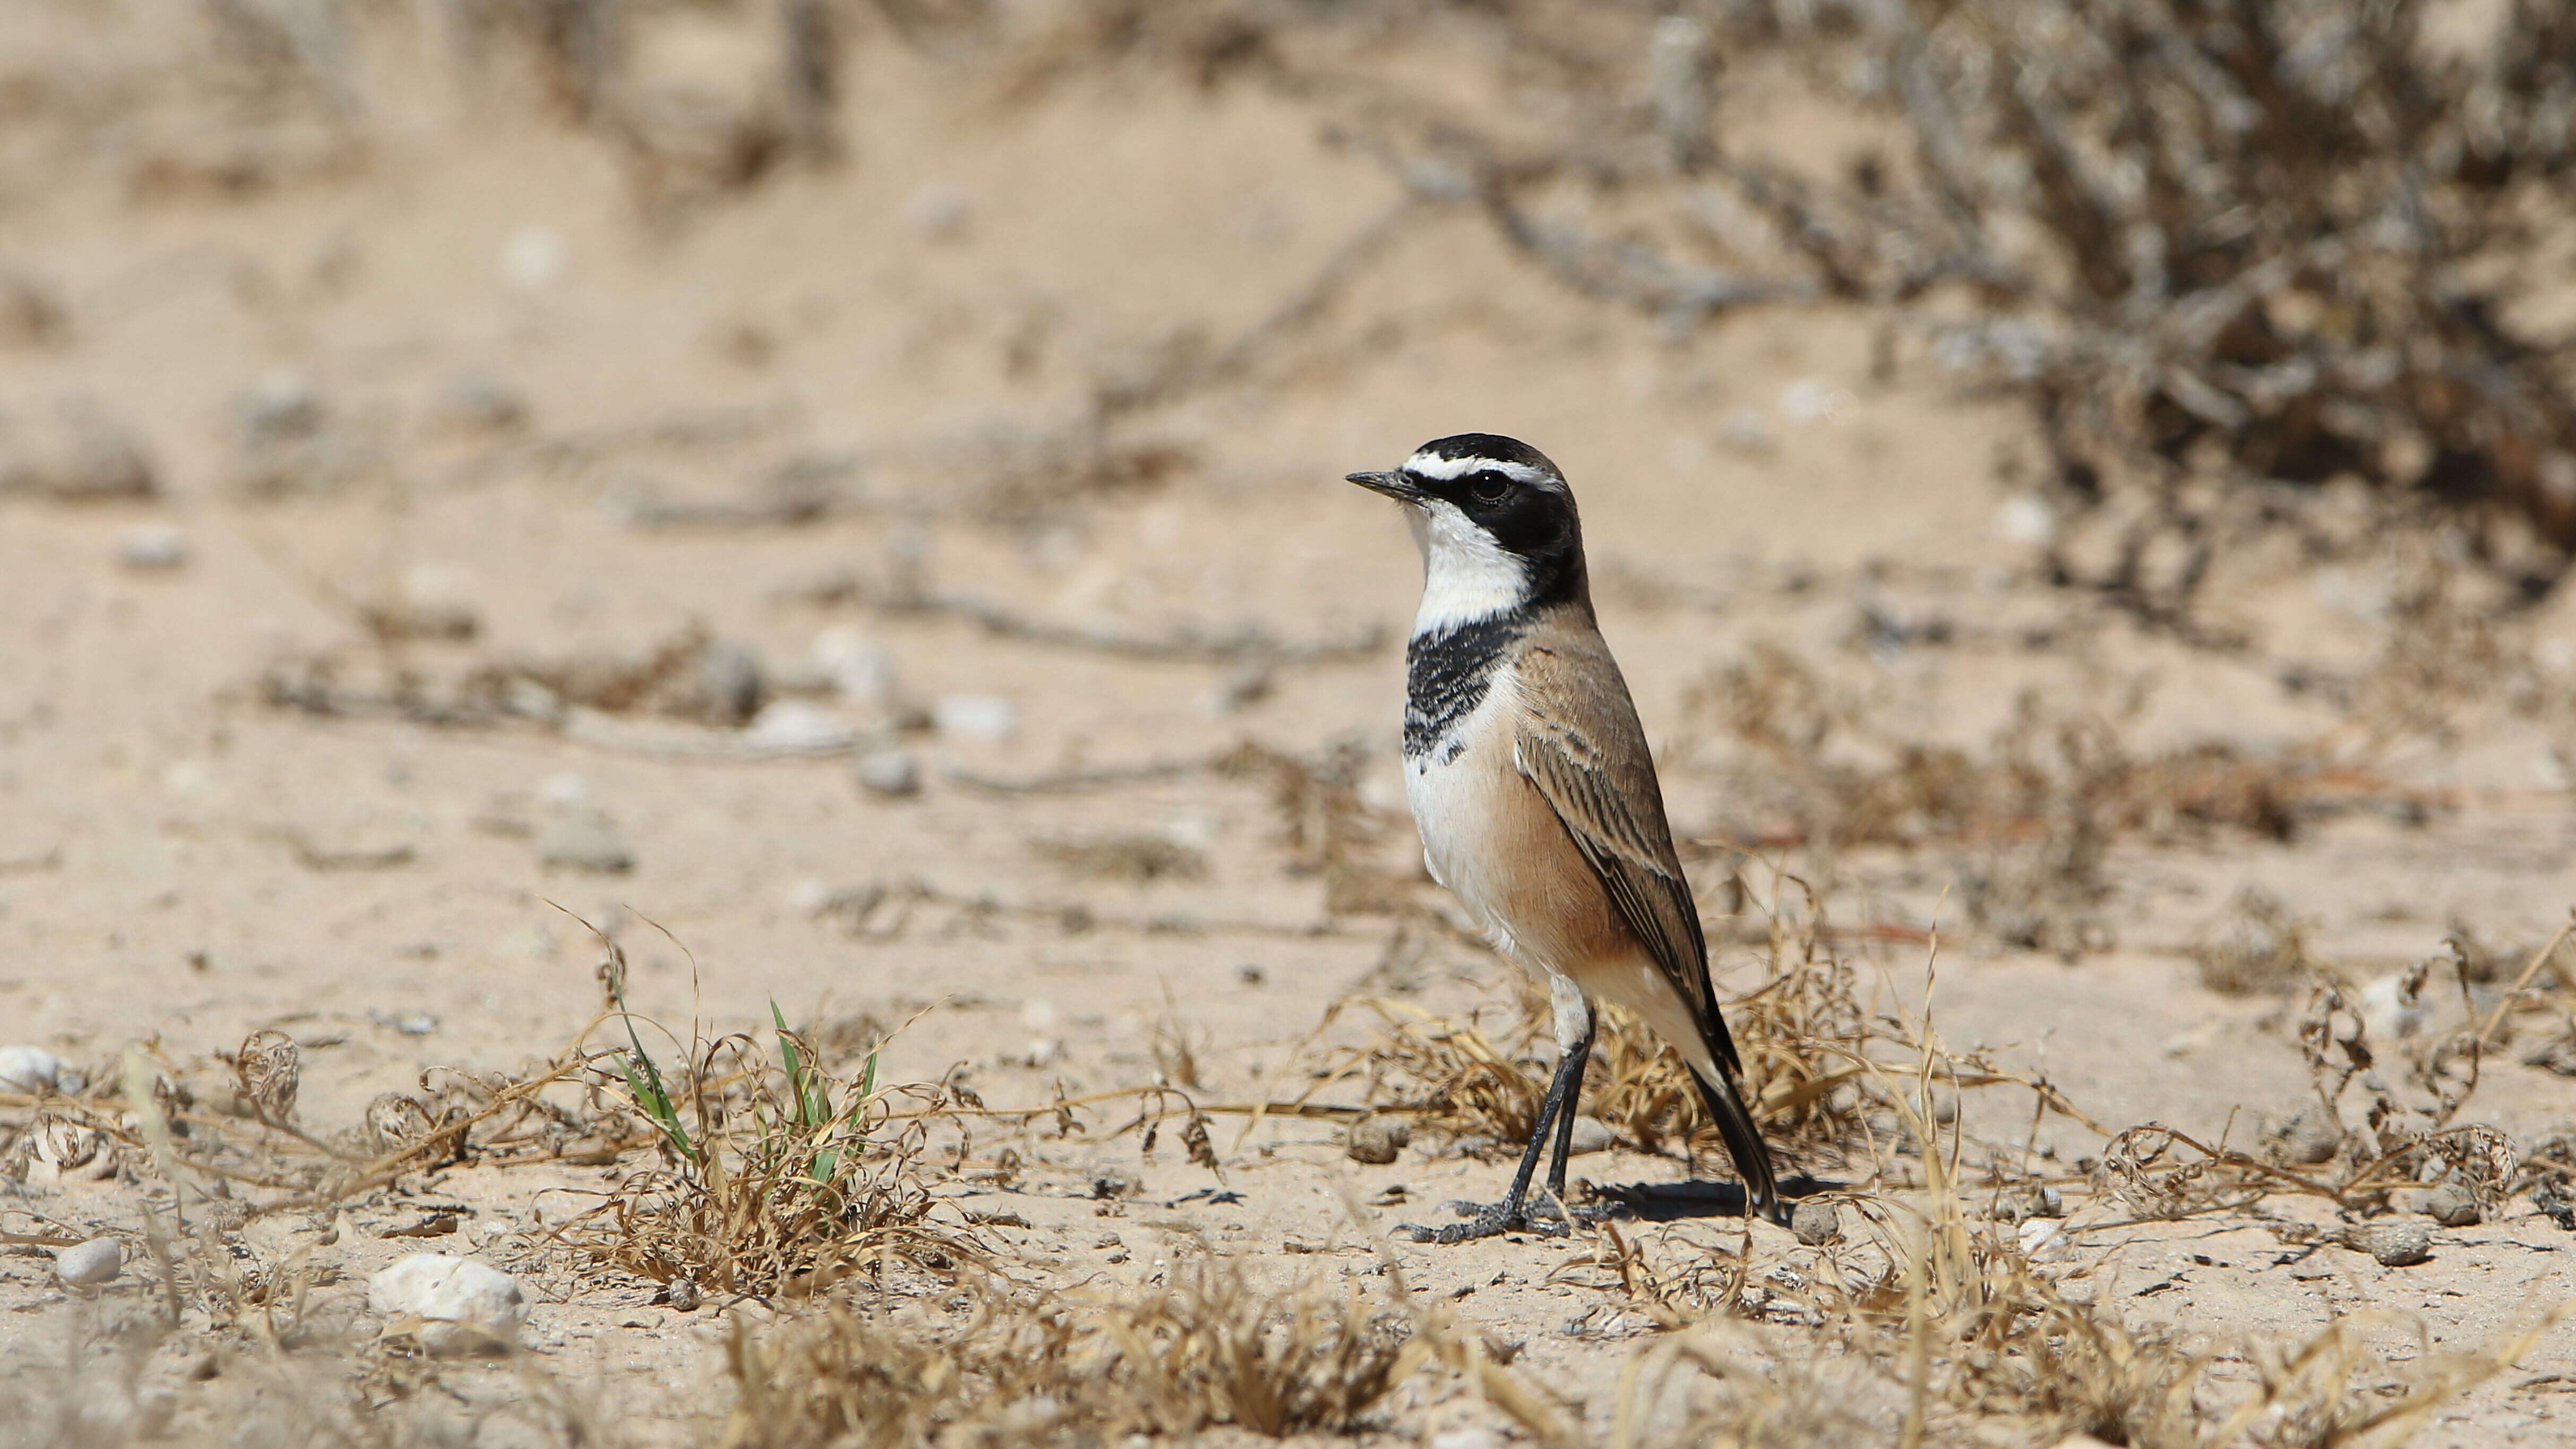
[2032, 815]
[2258, 947]
[1956, 1323]
[2405, 1138]
[1086, 1367]
[776, 1178]
[241, 1128]
[1808, 759]
[1484, 1090]
[2226, 252]
[1134, 858]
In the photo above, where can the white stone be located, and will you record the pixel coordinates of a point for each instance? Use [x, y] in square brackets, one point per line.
[796, 726]
[889, 772]
[86, 1265]
[29, 1070]
[2026, 519]
[534, 258]
[152, 546]
[976, 716]
[1591, 1135]
[860, 671]
[463, 1306]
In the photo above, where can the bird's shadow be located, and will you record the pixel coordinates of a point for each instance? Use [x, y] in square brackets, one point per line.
[1670, 1202]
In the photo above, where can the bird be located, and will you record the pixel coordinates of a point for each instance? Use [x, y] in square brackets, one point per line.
[1536, 798]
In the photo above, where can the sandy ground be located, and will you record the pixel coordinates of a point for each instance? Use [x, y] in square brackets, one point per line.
[183, 861]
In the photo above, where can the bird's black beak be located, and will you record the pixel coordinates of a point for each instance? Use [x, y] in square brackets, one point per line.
[1393, 485]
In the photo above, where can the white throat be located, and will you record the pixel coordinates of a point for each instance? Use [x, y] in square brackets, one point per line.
[1466, 575]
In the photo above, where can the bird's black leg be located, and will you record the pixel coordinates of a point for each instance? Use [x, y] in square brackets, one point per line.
[1556, 1111]
[1571, 1080]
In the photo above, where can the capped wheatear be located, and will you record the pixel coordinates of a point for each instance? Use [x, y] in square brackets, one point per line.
[1535, 794]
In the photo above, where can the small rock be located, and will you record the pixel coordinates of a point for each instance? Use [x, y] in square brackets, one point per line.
[1591, 1135]
[1378, 1139]
[939, 210]
[1815, 1223]
[152, 547]
[534, 257]
[2026, 519]
[465, 1306]
[476, 402]
[794, 726]
[684, 1295]
[2309, 1136]
[89, 1264]
[728, 685]
[2394, 1245]
[584, 839]
[80, 455]
[976, 716]
[860, 672]
[431, 602]
[29, 1070]
[2447, 1203]
[281, 407]
[1250, 974]
[892, 773]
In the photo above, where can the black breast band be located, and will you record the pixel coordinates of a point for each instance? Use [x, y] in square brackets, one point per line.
[1446, 675]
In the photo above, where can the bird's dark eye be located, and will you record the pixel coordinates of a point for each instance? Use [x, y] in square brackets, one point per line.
[1489, 487]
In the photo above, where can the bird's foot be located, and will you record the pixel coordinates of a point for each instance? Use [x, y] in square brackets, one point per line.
[1487, 1220]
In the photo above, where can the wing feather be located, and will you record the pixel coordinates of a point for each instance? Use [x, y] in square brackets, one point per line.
[1580, 744]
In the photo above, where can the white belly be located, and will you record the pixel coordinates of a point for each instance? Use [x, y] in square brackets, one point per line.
[1452, 790]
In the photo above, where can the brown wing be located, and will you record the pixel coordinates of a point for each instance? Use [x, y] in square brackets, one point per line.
[1580, 744]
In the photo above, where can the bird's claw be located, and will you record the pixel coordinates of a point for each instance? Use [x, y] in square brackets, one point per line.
[1487, 1220]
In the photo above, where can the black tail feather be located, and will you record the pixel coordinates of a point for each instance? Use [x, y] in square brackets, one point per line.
[1744, 1143]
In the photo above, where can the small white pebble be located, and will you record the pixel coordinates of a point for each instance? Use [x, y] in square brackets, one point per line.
[976, 716]
[29, 1070]
[2026, 518]
[89, 1264]
[892, 773]
[534, 258]
[795, 726]
[152, 546]
[465, 1306]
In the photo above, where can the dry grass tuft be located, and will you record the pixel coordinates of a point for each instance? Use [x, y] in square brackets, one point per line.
[1133, 858]
[1955, 1322]
[776, 1178]
[2032, 815]
[1204, 1348]
[2259, 947]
